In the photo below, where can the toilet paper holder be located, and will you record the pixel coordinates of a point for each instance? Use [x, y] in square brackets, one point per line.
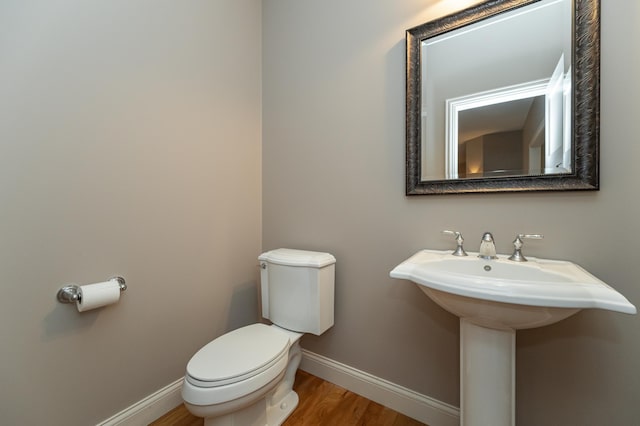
[71, 293]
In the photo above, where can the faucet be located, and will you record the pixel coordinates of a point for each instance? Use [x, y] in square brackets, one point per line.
[487, 247]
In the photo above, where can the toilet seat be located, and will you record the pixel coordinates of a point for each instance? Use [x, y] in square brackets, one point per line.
[238, 363]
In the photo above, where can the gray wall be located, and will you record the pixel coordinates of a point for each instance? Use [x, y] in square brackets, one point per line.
[333, 179]
[129, 144]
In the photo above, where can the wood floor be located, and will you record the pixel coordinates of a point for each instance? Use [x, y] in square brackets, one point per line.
[321, 403]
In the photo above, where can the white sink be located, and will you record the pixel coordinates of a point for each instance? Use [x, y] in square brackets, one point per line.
[501, 293]
[494, 298]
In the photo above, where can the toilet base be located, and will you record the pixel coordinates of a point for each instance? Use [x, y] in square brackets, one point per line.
[257, 415]
[277, 414]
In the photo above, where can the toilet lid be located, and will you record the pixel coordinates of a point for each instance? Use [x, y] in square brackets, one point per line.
[238, 355]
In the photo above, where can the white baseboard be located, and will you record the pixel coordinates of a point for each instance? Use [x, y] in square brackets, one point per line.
[415, 405]
[148, 409]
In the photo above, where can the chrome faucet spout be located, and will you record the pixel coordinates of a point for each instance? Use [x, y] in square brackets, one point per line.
[487, 247]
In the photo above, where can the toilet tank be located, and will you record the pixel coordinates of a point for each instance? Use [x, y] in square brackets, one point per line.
[298, 289]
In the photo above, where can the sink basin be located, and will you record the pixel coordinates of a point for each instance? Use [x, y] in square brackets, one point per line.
[493, 299]
[501, 293]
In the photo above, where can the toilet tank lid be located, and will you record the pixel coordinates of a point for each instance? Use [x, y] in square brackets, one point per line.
[292, 257]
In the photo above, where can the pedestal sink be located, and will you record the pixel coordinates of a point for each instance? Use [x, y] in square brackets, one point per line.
[493, 299]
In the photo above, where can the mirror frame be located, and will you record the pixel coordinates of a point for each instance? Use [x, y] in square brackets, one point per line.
[585, 104]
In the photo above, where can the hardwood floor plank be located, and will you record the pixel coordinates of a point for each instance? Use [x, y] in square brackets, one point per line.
[403, 420]
[321, 404]
[319, 412]
[378, 415]
[347, 411]
[179, 416]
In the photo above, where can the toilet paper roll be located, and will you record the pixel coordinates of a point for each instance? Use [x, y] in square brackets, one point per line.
[98, 294]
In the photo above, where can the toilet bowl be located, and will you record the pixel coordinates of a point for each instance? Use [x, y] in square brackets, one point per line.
[245, 377]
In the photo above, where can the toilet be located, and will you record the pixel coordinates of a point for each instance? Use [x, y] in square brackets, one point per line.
[245, 377]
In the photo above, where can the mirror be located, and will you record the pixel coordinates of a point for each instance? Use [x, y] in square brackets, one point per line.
[504, 96]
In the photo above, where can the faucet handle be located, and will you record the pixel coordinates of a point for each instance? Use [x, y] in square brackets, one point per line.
[517, 255]
[459, 251]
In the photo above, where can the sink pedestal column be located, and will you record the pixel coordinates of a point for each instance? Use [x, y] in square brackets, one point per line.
[487, 375]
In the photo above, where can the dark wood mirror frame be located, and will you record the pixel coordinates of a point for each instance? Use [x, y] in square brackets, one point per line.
[585, 114]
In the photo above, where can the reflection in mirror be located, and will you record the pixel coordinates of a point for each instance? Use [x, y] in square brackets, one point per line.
[491, 98]
[515, 131]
